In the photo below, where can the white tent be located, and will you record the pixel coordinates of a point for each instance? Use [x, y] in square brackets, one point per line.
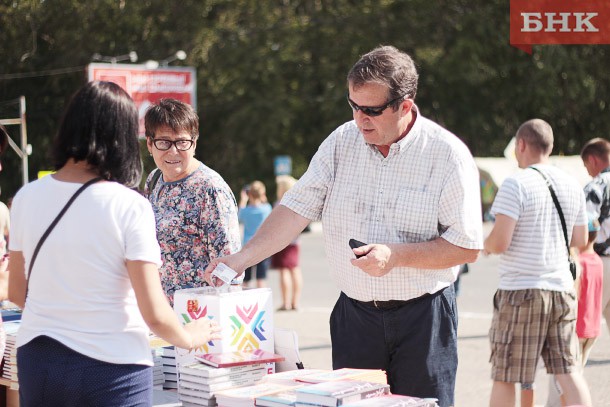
[500, 167]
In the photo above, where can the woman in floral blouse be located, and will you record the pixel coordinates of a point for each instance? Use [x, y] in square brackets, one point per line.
[195, 210]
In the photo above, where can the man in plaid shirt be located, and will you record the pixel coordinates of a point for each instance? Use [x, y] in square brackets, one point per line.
[410, 189]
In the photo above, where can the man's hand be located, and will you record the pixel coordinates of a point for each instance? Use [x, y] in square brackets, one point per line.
[233, 261]
[376, 260]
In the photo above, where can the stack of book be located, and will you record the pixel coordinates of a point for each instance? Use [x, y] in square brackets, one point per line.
[394, 400]
[170, 374]
[238, 358]
[339, 392]
[158, 376]
[292, 377]
[368, 375]
[199, 383]
[9, 362]
[158, 347]
[247, 396]
[284, 398]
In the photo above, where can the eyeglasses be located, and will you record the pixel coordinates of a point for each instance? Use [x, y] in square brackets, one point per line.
[372, 111]
[164, 145]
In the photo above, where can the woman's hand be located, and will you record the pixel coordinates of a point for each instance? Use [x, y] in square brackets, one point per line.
[202, 331]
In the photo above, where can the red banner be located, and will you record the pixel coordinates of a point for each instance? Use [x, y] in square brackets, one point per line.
[558, 22]
[146, 86]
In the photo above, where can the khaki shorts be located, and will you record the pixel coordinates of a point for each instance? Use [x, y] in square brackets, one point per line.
[531, 323]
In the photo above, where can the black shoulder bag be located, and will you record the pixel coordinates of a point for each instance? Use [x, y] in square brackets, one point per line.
[563, 222]
[52, 226]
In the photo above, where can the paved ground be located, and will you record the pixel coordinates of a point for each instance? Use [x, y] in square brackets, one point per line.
[474, 302]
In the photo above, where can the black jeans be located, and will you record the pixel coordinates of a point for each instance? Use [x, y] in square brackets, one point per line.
[415, 343]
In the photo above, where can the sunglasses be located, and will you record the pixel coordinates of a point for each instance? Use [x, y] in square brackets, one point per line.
[372, 111]
[164, 145]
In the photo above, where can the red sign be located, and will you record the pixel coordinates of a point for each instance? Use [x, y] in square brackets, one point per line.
[146, 86]
[558, 22]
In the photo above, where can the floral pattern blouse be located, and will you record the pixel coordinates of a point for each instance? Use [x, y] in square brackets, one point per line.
[196, 221]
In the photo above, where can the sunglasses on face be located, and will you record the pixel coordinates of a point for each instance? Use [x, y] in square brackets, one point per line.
[164, 145]
[372, 111]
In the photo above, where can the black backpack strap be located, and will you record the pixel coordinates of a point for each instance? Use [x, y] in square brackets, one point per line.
[153, 182]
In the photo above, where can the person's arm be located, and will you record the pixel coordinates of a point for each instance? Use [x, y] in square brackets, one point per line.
[3, 277]
[158, 314]
[380, 259]
[501, 235]
[280, 228]
[243, 199]
[580, 236]
[16, 279]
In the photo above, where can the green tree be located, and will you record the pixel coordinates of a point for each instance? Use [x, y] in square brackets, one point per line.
[271, 75]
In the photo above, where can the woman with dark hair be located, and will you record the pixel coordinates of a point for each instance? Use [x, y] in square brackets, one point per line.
[195, 209]
[94, 287]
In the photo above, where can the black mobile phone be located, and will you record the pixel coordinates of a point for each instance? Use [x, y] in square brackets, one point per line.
[353, 243]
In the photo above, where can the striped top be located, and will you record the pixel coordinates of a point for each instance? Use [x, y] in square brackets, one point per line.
[537, 255]
[427, 187]
[597, 193]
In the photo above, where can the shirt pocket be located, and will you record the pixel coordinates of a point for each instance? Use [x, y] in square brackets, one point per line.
[416, 216]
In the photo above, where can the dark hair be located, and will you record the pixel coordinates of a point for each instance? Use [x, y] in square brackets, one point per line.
[598, 147]
[388, 66]
[100, 126]
[172, 113]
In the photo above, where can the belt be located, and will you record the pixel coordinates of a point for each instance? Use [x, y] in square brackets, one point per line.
[384, 305]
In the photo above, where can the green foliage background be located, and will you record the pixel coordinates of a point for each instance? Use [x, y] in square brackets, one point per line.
[271, 74]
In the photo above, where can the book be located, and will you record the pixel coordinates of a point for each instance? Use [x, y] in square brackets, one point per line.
[257, 372]
[291, 377]
[340, 392]
[238, 358]
[203, 370]
[369, 375]
[194, 393]
[197, 401]
[195, 383]
[246, 396]
[284, 398]
[394, 400]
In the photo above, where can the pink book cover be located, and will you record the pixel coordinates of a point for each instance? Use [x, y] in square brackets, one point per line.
[238, 358]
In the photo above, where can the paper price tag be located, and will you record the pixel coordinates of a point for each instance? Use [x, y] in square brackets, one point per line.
[224, 273]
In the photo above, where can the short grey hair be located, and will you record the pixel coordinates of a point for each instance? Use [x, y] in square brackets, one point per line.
[386, 65]
[538, 134]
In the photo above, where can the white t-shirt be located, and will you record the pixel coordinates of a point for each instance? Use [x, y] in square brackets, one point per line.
[80, 292]
[4, 227]
[537, 256]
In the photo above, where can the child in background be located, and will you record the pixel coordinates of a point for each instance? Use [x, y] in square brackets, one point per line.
[588, 322]
[253, 210]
